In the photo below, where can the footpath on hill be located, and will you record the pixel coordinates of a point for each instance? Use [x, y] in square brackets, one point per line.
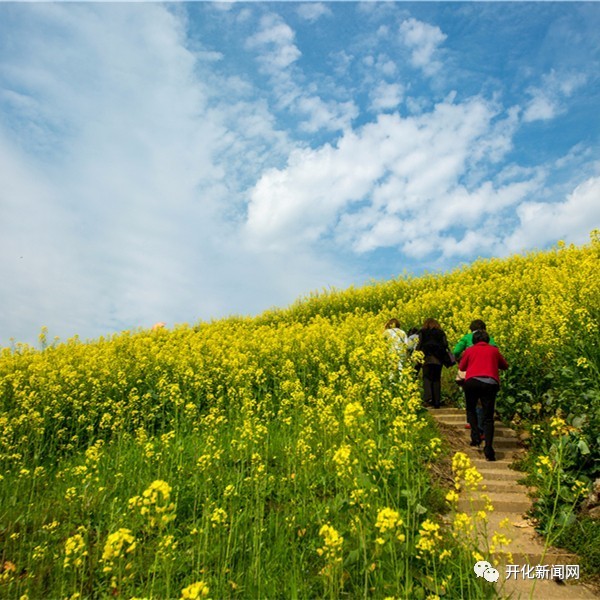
[511, 501]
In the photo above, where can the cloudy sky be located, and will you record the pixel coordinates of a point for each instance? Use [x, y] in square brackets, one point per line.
[187, 161]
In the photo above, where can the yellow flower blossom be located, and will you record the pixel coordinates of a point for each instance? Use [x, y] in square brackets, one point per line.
[429, 537]
[559, 427]
[195, 591]
[452, 497]
[388, 520]
[294, 404]
[218, 517]
[332, 544]
[117, 545]
[342, 461]
[155, 504]
[353, 413]
[74, 551]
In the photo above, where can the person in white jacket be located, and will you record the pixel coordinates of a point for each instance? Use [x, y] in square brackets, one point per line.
[398, 340]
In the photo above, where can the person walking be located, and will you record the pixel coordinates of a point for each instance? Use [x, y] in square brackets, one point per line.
[398, 340]
[434, 346]
[481, 363]
[412, 339]
[466, 341]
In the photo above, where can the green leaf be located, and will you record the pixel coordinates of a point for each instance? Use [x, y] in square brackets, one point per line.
[583, 447]
[566, 494]
[352, 557]
[565, 518]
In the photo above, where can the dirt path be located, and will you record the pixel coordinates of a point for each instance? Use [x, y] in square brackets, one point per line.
[511, 501]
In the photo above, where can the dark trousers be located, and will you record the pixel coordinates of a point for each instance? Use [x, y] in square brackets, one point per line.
[432, 384]
[486, 392]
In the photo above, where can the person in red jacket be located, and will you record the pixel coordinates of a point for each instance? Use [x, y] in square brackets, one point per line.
[482, 381]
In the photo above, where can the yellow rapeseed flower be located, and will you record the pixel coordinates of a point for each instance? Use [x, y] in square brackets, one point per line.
[117, 545]
[332, 544]
[387, 520]
[353, 413]
[429, 537]
[74, 551]
[195, 591]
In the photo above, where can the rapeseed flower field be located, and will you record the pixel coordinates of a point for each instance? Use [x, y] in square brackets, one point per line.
[284, 456]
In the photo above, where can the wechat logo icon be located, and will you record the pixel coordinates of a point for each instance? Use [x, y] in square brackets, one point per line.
[484, 569]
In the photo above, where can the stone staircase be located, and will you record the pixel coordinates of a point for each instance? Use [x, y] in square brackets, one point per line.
[511, 501]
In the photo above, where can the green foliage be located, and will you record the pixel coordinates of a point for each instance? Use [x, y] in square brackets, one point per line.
[582, 538]
[277, 444]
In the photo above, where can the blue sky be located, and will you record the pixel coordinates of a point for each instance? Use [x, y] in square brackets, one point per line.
[187, 161]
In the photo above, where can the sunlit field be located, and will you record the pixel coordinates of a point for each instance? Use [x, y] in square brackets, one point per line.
[284, 456]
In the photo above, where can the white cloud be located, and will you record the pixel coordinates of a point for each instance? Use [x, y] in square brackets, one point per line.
[294, 206]
[384, 66]
[388, 184]
[313, 11]
[473, 243]
[116, 187]
[275, 42]
[547, 101]
[424, 40]
[386, 96]
[571, 220]
[323, 115]
[130, 212]
[540, 107]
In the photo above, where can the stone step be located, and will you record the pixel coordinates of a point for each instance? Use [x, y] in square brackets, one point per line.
[505, 456]
[527, 547]
[504, 433]
[504, 442]
[503, 461]
[516, 504]
[503, 450]
[501, 447]
[534, 554]
[450, 413]
[492, 484]
[451, 417]
[460, 424]
[515, 522]
[461, 419]
[495, 470]
[446, 410]
[511, 501]
[491, 475]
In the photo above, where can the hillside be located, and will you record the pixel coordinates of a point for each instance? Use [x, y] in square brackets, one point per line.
[283, 455]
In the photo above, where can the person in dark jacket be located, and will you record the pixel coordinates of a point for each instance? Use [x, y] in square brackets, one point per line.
[482, 363]
[434, 346]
